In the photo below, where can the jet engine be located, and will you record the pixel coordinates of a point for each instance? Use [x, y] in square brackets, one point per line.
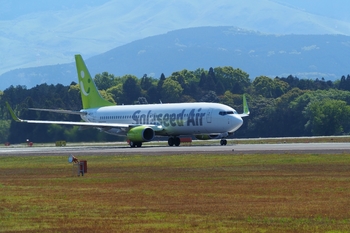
[140, 134]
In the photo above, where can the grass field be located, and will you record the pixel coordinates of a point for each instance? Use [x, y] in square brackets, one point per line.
[177, 193]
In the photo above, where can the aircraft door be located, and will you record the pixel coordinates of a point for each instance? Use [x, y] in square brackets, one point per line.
[209, 115]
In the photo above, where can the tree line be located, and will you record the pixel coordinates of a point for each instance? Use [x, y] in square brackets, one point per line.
[280, 106]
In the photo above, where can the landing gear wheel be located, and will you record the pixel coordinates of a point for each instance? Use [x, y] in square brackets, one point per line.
[171, 141]
[223, 142]
[177, 141]
[135, 144]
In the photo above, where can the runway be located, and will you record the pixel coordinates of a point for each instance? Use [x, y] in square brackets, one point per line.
[190, 149]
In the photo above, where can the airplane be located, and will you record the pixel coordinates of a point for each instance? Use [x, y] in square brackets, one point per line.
[142, 123]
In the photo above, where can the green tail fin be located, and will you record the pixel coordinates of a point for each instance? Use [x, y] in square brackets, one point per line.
[90, 96]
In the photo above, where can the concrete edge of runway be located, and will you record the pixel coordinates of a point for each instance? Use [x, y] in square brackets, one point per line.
[190, 149]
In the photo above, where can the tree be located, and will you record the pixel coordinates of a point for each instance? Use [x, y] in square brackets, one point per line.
[131, 90]
[288, 121]
[152, 94]
[344, 83]
[207, 82]
[107, 95]
[104, 81]
[328, 117]
[234, 80]
[171, 91]
[4, 130]
[185, 78]
[146, 82]
[280, 87]
[210, 97]
[264, 86]
[116, 92]
[160, 86]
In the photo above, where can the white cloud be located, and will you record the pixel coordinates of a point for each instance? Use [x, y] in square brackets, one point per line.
[141, 52]
[311, 47]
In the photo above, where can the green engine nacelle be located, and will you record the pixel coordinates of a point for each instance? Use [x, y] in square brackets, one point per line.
[140, 134]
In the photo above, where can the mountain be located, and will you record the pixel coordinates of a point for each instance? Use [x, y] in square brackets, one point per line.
[304, 56]
[38, 32]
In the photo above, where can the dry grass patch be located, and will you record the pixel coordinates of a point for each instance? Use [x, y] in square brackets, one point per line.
[177, 193]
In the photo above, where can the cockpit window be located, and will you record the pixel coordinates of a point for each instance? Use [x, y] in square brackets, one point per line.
[223, 113]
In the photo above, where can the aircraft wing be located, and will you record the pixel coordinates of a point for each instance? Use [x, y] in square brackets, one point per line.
[83, 124]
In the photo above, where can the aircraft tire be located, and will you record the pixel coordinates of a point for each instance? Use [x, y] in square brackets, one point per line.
[223, 142]
[171, 141]
[177, 141]
[132, 144]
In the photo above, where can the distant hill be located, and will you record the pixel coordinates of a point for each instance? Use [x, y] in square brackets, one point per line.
[304, 56]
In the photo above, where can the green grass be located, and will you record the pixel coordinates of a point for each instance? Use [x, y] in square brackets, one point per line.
[177, 193]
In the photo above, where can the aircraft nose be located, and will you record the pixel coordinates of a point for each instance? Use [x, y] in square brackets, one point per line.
[237, 122]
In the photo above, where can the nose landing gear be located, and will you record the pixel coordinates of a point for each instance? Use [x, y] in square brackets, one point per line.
[223, 142]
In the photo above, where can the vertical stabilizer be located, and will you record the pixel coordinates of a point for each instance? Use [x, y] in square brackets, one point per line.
[90, 96]
[246, 111]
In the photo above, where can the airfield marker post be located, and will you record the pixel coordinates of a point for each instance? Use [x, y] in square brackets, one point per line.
[79, 166]
[76, 169]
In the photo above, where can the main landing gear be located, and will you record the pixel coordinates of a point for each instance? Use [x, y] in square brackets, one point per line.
[223, 142]
[174, 141]
[135, 144]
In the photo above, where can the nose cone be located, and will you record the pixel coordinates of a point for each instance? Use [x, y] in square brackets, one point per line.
[236, 122]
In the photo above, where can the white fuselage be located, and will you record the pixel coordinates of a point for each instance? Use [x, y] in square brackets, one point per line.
[176, 119]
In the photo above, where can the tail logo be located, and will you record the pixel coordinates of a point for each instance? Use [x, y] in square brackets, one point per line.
[82, 88]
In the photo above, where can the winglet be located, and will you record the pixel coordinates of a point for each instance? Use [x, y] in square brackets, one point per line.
[13, 115]
[246, 111]
[245, 106]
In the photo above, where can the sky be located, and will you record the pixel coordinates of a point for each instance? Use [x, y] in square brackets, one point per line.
[11, 9]
[338, 9]
[43, 32]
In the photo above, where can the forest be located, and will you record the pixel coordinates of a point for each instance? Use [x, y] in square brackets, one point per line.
[280, 106]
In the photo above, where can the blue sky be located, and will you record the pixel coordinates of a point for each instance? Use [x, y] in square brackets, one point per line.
[11, 9]
[44, 32]
[338, 9]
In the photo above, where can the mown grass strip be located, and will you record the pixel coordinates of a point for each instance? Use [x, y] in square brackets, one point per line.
[176, 193]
